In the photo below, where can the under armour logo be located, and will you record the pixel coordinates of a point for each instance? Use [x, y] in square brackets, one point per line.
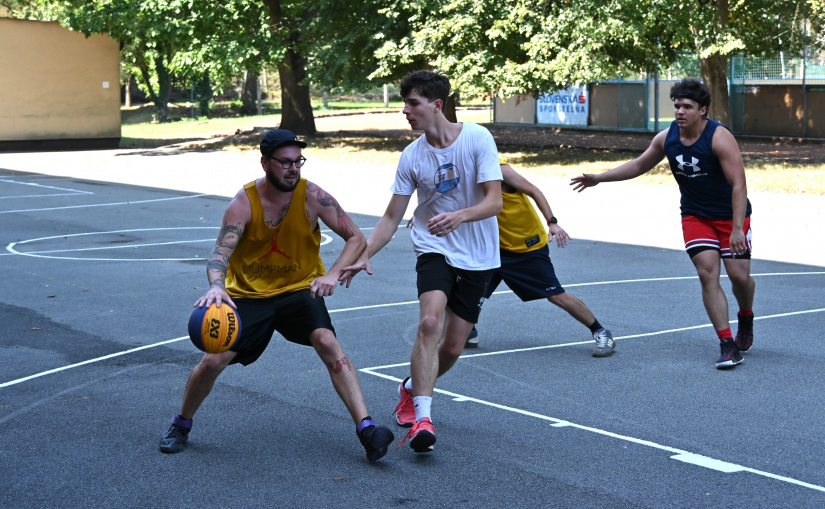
[694, 163]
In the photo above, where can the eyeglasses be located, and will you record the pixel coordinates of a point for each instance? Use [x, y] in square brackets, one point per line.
[287, 163]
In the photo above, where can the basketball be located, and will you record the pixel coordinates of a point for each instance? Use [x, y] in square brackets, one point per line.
[214, 329]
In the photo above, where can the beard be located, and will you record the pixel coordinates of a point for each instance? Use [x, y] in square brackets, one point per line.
[281, 185]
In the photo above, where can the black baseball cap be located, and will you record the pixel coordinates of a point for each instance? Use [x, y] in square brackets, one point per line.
[277, 138]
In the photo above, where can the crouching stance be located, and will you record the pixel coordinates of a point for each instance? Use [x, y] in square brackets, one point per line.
[266, 264]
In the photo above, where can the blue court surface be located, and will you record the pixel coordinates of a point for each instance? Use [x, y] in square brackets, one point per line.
[99, 279]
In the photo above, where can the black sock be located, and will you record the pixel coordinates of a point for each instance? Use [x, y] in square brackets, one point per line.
[595, 326]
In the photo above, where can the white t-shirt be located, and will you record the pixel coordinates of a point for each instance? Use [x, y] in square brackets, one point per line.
[447, 180]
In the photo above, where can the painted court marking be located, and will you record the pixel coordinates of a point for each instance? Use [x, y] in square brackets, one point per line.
[11, 248]
[102, 204]
[463, 356]
[677, 454]
[71, 192]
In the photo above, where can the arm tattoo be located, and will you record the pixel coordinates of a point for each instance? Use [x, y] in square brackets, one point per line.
[346, 228]
[218, 263]
[338, 366]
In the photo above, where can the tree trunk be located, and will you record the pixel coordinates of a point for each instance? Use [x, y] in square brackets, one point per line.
[449, 108]
[714, 68]
[164, 89]
[715, 75]
[160, 98]
[249, 96]
[296, 108]
[127, 96]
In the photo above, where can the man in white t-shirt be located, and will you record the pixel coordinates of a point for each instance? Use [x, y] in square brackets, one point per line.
[455, 170]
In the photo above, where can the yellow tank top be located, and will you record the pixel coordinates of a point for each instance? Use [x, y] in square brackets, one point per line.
[519, 227]
[270, 261]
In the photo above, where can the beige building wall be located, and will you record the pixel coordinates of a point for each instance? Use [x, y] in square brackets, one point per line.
[57, 86]
[518, 109]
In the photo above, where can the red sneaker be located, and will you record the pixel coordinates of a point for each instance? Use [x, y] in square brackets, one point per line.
[422, 436]
[405, 411]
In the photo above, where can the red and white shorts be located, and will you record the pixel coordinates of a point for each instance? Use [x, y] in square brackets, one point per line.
[702, 234]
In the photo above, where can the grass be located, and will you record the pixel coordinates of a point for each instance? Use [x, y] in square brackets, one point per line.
[762, 174]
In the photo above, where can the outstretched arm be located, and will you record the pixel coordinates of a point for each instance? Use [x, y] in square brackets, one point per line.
[381, 235]
[324, 206]
[515, 180]
[629, 170]
[235, 219]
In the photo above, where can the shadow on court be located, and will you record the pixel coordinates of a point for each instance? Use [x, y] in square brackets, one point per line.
[99, 282]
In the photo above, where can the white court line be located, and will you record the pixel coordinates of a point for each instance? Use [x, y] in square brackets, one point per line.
[72, 192]
[678, 454]
[411, 302]
[104, 204]
[629, 336]
[90, 361]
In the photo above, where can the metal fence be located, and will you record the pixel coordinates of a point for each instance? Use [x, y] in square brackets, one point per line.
[781, 96]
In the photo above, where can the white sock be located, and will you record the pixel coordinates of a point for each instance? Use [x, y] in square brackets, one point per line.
[408, 384]
[422, 407]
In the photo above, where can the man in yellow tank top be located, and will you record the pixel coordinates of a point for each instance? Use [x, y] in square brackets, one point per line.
[266, 264]
[525, 257]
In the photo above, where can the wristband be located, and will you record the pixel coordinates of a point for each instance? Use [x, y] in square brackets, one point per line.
[552, 220]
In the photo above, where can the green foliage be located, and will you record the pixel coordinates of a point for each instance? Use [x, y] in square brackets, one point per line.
[185, 38]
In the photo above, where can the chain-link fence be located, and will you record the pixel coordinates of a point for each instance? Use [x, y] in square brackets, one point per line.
[780, 96]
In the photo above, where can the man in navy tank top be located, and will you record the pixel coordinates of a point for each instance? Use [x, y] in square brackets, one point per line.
[705, 161]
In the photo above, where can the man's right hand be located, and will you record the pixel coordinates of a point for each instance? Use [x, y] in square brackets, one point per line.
[349, 272]
[215, 294]
[583, 181]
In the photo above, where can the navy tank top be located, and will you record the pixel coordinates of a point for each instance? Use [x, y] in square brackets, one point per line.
[705, 190]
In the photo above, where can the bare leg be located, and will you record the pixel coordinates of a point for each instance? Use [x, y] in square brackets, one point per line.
[341, 371]
[424, 358]
[574, 307]
[716, 304]
[201, 380]
[742, 283]
[452, 344]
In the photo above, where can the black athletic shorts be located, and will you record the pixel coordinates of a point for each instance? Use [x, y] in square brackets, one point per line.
[294, 315]
[530, 275]
[464, 288]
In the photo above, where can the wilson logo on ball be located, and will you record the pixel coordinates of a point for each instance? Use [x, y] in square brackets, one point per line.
[214, 329]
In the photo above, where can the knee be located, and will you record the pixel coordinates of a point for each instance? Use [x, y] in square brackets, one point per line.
[451, 352]
[212, 365]
[558, 299]
[325, 343]
[429, 325]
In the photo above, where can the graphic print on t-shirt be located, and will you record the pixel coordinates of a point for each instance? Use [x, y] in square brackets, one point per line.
[273, 249]
[447, 177]
[684, 166]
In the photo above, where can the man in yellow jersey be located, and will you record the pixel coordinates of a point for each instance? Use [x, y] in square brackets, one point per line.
[266, 264]
[525, 258]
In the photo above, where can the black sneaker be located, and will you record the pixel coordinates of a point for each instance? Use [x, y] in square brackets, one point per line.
[375, 440]
[730, 354]
[175, 439]
[744, 333]
[472, 339]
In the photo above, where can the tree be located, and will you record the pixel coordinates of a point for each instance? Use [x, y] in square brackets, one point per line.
[530, 47]
[187, 38]
[287, 20]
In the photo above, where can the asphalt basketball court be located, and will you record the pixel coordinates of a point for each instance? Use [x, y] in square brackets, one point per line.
[104, 254]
